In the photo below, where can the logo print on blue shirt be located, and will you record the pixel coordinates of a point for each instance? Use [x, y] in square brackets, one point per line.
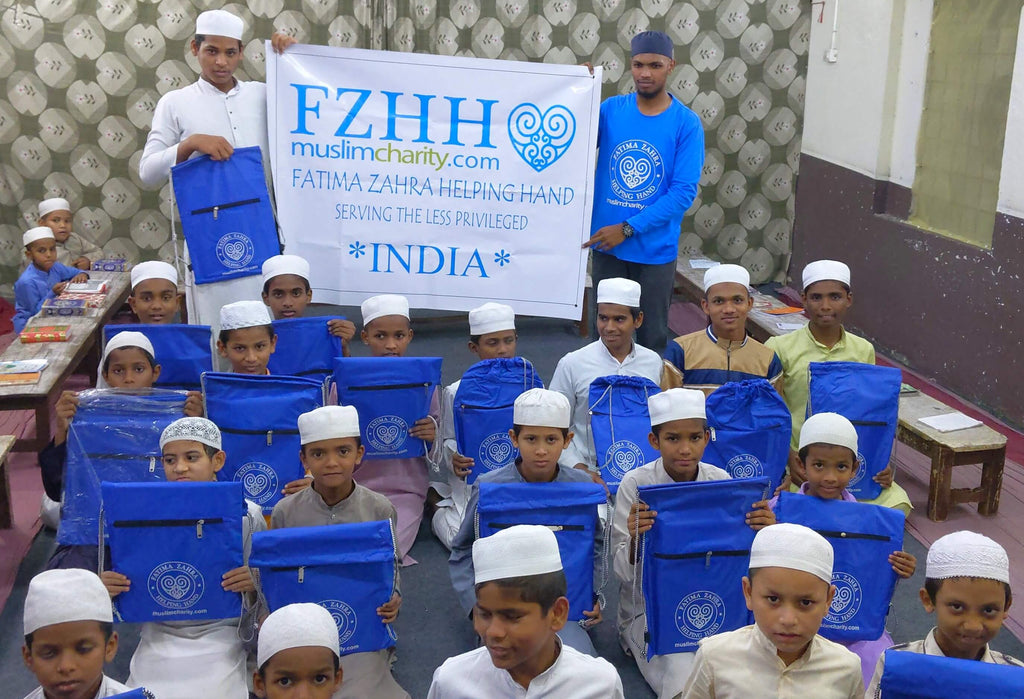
[637, 170]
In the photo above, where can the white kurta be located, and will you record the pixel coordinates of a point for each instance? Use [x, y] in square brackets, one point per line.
[572, 378]
[574, 675]
[240, 117]
[455, 490]
[744, 663]
[108, 688]
[666, 674]
[185, 660]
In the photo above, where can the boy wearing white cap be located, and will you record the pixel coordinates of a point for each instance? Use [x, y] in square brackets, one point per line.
[331, 450]
[540, 432]
[723, 352]
[154, 298]
[967, 587]
[72, 249]
[297, 654]
[827, 298]
[247, 337]
[69, 635]
[789, 589]
[680, 433]
[492, 335]
[43, 279]
[519, 608]
[387, 331]
[618, 317]
[286, 292]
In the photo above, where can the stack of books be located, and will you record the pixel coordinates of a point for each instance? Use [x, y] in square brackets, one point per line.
[45, 333]
[21, 371]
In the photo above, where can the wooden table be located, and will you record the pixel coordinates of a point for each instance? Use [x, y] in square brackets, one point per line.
[977, 445]
[63, 358]
[6, 513]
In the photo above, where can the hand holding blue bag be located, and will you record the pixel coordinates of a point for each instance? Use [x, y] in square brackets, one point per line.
[183, 352]
[919, 676]
[620, 423]
[174, 541]
[305, 347]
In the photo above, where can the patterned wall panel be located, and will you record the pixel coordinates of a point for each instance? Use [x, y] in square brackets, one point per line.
[81, 79]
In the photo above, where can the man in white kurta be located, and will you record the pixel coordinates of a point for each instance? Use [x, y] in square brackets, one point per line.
[237, 114]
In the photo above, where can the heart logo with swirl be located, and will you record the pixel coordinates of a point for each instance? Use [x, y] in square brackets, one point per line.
[388, 434]
[235, 250]
[496, 450]
[700, 614]
[175, 585]
[260, 482]
[541, 138]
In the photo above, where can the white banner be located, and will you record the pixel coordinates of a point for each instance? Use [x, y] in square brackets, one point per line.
[452, 181]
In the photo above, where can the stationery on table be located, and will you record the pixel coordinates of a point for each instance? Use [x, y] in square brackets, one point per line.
[90, 286]
[950, 422]
[702, 263]
[46, 333]
[21, 371]
[784, 310]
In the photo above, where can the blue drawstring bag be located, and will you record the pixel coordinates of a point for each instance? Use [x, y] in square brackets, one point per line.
[225, 214]
[305, 347]
[750, 431]
[919, 676]
[390, 394]
[621, 423]
[258, 418]
[570, 510]
[868, 396]
[141, 693]
[174, 541]
[483, 411]
[115, 437]
[862, 537]
[349, 569]
[183, 352]
[693, 558]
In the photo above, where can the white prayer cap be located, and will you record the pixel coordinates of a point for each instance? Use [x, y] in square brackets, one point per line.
[540, 407]
[676, 404]
[328, 422]
[129, 338]
[792, 546]
[244, 314]
[62, 596]
[966, 554]
[285, 264]
[153, 269]
[516, 552]
[624, 292]
[822, 270]
[829, 428]
[296, 626]
[720, 274]
[34, 234]
[191, 429]
[384, 305]
[48, 206]
[219, 23]
[490, 318]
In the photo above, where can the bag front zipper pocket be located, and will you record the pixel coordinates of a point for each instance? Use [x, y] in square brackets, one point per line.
[230, 205]
[154, 523]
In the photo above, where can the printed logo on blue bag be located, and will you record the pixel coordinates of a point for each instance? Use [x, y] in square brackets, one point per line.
[344, 617]
[622, 457]
[496, 451]
[846, 602]
[745, 466]
[858, 475]
[176, 585]
[700, 614]
[387, 433]
[259, 480]
[235, 250]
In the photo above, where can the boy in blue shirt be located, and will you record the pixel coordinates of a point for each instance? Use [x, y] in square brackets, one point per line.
[44, 278]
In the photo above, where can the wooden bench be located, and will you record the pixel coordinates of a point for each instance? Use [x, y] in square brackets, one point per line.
[6, 511]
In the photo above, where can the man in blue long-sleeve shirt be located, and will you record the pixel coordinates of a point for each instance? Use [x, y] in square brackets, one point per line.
[43, 279]
[651, 151]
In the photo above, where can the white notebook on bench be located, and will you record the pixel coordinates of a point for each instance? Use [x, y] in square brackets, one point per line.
[951, 422]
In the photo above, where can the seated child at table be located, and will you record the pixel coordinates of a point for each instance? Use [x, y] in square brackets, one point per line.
[72, 249]
[331, 450]
[69, 636]
[540, 432]
[246, 337]
[520, 607]
[128, 362]
[188, 659]
[828, 453]
[680, 433]
[287, 292]
[388, 332]
[492, 335]
[967, 587]
[789, 589]
[154, 298]
[44, 278]
[297, 654]
[827, 297]
[723, 352]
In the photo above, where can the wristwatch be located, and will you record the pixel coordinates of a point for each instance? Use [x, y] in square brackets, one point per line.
[627, 229]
